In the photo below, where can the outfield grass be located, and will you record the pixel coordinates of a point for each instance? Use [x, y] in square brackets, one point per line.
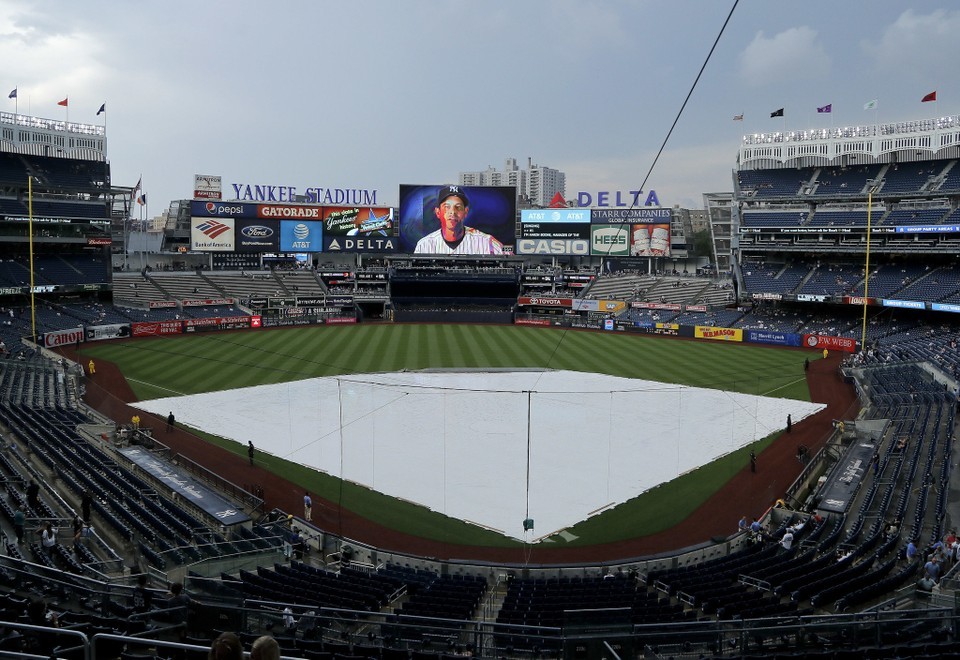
[202, 363]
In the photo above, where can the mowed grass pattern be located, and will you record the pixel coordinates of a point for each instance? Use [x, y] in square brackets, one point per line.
[209, 362]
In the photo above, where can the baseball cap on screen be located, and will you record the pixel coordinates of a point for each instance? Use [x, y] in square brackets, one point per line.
[452, 191]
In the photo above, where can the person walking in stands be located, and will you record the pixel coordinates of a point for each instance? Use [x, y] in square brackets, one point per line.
[142, 597]
[307, 506]
[177, 599]
[787, 540]
[911, 553]
[250, 451]
[48, 537]
[85, 503]
[171, 420]
[753, 461]
[33, 495]
[932, 569]
[91, 367]
[19, 520]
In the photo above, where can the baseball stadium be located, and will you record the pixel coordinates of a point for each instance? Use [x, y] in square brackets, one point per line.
[322, 423]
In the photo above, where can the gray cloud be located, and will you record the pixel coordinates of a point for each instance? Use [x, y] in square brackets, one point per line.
[791, 54]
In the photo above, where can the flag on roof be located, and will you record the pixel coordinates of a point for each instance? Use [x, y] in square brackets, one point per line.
[12, 94]
[825, 108]
[136, 189]
[65, 102]
[142, 199]
[932, 96]
[777, 113]
[103, 108]
[870, 105]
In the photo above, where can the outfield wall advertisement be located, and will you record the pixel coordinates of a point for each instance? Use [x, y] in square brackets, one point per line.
[775, 338]
[216, 323]
[718, 334]
[63, 337]
[844, 344]
[156, 328]
[105, 332]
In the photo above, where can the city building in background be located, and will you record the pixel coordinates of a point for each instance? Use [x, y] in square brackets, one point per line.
[536, 185]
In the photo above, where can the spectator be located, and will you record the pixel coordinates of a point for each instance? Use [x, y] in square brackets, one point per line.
[787, 540]
[85, 503]
[226, 647]
[265, 648]
[142, 597]
[932, 569]
[48, 537]
[33, 495]
[19, 520]
[177, 599]
[911, 553]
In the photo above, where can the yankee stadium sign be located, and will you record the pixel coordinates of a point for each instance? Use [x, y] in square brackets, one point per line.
[260, 192]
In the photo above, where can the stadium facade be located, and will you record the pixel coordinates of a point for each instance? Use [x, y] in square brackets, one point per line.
[808, 210]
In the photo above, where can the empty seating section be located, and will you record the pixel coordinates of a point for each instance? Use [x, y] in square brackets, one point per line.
[825, 217]
[832, 279]
[899, 217]
[64, 270]
[951, 180]
[906, 178]
[761, 184]
[843, 181]
[936, 285]
[184, 286]
[775, 218]
[886, 280]
[764, 277]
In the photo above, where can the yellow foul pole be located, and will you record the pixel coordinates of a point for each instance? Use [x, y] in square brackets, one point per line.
[866, 277]
[33, 309]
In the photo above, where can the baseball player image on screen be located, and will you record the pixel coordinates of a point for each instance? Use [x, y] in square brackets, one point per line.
[454, 237]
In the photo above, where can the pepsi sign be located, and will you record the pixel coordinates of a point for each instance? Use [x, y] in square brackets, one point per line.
[219, 209]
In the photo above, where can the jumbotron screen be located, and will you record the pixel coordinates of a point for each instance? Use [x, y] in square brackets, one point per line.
[451, 219]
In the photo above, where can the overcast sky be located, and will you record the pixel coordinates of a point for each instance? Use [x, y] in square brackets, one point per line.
[375, 94]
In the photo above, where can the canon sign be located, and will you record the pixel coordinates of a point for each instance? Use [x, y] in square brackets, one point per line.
[63, 337]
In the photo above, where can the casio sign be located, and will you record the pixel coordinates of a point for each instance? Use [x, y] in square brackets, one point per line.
[257, 231]
[553, 246]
